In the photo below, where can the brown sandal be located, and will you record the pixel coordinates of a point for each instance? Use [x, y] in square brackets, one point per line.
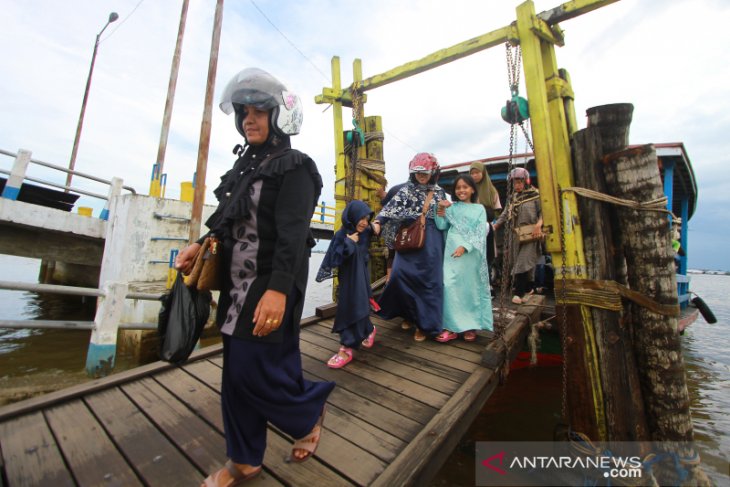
[237, 476]
[309, 443]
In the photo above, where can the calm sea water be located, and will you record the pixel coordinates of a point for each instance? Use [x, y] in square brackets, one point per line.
[33, 362]
[526, 408]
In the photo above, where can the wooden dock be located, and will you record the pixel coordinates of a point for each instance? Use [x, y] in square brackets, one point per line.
[397, 412]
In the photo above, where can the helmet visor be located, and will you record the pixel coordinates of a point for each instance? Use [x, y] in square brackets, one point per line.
[254, 87]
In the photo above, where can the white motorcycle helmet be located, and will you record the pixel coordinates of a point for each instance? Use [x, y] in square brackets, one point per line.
[256, 87]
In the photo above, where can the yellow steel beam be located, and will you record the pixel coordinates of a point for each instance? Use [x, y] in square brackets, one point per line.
[572, 9]
[557, 87]
[550, 33]
[509, 33]
[431, 61]
[441, 57]
[339, 144]
[540, 121]
[550, 122]
[330, 95]
[362, 150]
[566, 91]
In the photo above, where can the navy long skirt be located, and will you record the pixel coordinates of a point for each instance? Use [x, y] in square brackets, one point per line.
[263, 382]
[415, 290]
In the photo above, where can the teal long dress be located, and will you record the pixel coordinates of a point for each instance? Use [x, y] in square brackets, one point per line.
[467, 296]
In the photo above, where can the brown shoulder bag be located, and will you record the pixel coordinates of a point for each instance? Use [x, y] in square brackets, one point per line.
[413, 237]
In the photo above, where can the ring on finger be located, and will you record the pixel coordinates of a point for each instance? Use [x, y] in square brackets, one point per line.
[269, 321]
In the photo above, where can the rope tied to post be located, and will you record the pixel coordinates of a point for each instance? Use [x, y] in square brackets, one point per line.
[659, 204]
[608, 294]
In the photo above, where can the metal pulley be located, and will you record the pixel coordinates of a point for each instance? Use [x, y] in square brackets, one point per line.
[355, 137]
[515, 110]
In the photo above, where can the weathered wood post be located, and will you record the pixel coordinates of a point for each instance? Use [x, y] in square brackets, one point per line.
[612, 122]
[625, 418]
[633, 174]
[374, 169]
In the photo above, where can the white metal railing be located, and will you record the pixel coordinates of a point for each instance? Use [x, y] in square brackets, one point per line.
[17, 175]
[101, 354]
[70, 291]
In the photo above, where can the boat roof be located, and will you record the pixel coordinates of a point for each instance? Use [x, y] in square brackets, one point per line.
[684, 185]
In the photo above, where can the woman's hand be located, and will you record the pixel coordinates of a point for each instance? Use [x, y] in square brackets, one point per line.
[459, 251]
[375, 225]
[184, 259]
[537, 229]
[355, 237]
[269, 313]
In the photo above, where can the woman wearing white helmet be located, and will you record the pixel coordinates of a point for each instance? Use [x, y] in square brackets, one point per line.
[265, 204]
[522, 209]
[415, 290]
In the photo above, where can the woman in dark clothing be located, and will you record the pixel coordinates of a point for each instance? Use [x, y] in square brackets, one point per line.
[415, 290]
[348, 253]
[265, 205]
[389, 242]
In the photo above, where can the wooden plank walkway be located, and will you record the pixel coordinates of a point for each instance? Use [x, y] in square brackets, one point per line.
[397, 412]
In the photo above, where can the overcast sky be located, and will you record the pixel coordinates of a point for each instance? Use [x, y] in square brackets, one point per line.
[667, 57]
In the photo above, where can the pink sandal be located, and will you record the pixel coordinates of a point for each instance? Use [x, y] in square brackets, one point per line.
[370, 340]
[446, 336]
[337, 361]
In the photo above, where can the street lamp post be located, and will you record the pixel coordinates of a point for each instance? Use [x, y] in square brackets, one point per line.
[112, 17]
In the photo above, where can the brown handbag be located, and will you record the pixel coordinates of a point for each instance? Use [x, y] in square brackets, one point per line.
[413, 237]
[206, 274]
[524, 234]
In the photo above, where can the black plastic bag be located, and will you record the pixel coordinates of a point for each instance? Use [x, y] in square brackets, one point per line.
[182, 317]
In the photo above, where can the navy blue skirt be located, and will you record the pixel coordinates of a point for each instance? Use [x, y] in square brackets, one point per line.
[415, 290]
[262, 383]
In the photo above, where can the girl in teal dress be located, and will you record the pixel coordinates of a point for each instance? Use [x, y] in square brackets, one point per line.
[467, 297]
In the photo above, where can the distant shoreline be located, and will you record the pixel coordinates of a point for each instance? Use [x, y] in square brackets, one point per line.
[706, 271]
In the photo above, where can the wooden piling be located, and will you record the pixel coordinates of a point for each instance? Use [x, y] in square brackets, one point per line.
[375, 180]
[633, 174]
[625, 420]
[612, 123]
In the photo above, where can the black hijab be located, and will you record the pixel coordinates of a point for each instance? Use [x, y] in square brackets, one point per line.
[233, 193]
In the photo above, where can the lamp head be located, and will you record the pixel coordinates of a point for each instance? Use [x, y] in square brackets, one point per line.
[113, 17]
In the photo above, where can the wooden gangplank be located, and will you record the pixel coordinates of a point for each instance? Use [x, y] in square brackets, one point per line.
[397, 412]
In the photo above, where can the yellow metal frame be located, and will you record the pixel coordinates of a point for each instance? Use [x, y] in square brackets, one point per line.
[553, 122]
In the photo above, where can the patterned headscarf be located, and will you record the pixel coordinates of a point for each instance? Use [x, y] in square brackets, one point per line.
[407, 205]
